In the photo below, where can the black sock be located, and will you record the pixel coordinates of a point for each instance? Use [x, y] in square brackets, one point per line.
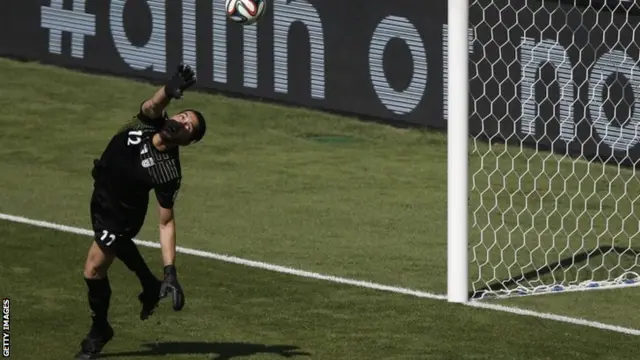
[99, 297]
[129, 254]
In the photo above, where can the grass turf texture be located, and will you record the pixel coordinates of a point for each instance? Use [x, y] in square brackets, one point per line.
[291, 187]
[235, 312]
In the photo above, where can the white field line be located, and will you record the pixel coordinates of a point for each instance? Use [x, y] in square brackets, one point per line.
[334, 279]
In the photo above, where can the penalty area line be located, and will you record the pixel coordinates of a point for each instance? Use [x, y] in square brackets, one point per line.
[334, 279]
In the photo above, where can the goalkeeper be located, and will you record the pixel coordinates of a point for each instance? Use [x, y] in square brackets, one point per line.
[142, 156]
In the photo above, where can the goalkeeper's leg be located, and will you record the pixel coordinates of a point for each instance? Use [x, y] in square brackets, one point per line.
[96, 266]
[129, 254]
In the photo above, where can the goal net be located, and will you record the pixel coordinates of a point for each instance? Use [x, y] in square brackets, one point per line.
[554, 197]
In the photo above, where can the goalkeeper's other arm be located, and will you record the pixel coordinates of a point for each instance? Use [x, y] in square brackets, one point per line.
[170, 285]
[167, 236]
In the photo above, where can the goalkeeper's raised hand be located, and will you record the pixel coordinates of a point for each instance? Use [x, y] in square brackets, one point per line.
[182, 79]
[171, 286]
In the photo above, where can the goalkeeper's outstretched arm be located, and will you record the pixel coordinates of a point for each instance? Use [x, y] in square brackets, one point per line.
[155, 105]
[182, 79]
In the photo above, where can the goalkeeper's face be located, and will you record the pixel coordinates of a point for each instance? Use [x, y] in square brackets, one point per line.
[180, 128]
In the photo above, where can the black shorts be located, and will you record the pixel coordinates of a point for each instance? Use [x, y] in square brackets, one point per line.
[109, 230]
[111, 223]
[109, 240]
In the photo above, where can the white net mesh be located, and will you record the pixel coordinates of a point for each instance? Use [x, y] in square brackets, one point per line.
[554, 198]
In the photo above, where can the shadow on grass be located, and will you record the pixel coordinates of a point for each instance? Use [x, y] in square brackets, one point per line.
[536, 274]
[219, 350]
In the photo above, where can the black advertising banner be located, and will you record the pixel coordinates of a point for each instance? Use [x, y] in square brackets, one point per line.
[296, 54]
[550, 73]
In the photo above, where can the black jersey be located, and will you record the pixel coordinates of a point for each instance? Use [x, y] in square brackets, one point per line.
[129, 168]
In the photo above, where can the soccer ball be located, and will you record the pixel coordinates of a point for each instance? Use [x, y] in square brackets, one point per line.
[245, 12]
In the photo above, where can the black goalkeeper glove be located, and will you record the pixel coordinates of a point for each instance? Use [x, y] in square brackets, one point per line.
[171, 285]
[183, 79]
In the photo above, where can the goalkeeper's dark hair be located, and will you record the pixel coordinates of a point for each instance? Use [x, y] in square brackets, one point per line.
[198, 134]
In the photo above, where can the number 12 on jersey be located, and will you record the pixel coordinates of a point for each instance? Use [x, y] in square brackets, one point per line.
[135, 136]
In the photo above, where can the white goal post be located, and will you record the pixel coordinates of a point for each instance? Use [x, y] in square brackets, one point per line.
[543, 140]
[457, 151]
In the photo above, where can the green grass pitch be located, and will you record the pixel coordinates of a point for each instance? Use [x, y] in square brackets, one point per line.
[285, 186]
